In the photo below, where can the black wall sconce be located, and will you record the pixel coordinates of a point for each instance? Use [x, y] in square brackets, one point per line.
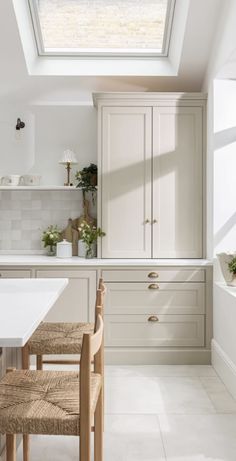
[19, 124]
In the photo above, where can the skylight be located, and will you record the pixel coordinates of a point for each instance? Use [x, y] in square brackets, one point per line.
[102, 27]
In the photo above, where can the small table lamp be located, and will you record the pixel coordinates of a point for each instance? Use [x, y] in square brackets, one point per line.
[68, 159]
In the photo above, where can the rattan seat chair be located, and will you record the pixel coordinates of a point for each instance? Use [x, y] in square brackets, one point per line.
[55, 402]
[57, 338]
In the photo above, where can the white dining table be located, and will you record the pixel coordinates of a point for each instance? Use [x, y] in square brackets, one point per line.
[24, 303]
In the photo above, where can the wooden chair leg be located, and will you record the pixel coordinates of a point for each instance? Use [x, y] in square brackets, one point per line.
[10, 447]
[26, 454]
[98, 429]
[25, 357]
[84, 442]
[39, 361]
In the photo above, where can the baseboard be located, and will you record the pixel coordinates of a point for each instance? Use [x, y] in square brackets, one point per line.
[224, 367]
[148, 356]
[136, 356]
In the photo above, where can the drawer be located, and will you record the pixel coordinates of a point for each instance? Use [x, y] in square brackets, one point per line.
[11, 274]
[162, 275]
[163, 298]
[169, 330]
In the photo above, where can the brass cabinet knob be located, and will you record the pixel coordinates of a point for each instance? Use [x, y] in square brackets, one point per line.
[153, 318]
[154, 221]
[153, 286]
[153, 275]
[147, 221]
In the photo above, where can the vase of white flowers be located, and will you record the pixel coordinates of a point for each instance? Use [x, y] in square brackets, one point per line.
[51, 236]
[88, 236]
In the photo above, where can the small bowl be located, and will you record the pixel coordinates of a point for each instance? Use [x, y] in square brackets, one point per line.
[31, 179]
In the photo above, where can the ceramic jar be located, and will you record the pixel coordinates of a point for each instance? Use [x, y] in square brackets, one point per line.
[82, 249]
[31, 179]
[64, 249]
[11, 180]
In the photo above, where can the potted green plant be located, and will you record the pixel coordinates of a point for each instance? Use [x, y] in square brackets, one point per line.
[232, 270]
[50, 237]
[88, 236]
[87, 179]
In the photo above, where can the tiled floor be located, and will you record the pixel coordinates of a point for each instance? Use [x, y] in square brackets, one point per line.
[158, 413]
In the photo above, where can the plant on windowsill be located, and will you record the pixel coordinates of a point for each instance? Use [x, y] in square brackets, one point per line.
[232, 270]
[51, 236]
[89, 235]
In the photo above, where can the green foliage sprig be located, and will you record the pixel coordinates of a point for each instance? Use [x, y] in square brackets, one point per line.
[87, 178]
[51, 236]
[89, 234]
[232, 266]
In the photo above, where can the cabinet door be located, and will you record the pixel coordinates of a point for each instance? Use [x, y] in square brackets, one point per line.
[126, 182]
[77, 302]
[177, 182]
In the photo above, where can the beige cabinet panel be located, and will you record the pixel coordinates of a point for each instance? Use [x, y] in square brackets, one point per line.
[154, 274]
[158, 298]
[177, 182]
[77, 302]
[169, 330]
[14, 274]
[126, 182]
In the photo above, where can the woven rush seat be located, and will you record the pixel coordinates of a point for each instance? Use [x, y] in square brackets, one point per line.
[58, 338]
[43, 402]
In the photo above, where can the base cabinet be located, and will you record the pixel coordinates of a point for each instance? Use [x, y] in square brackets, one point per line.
[76, 304]
[153, 314]
[158, 313]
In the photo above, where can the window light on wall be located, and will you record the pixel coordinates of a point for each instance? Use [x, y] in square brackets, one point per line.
[102, 27]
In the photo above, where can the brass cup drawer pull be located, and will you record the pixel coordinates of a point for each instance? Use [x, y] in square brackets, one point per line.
[153, 275]
[153, 318]
[153, 286]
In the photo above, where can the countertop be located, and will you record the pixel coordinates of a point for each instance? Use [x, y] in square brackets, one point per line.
[23, 305]
[43, 260]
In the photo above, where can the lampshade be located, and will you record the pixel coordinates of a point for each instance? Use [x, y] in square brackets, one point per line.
[68, 157]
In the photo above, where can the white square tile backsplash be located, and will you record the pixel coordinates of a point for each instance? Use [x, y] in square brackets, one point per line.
[25, 214]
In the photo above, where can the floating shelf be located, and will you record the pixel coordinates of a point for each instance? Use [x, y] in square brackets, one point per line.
[64, 188]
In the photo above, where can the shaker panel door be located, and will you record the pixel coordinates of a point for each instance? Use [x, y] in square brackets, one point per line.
[126, 182]
[177, 182]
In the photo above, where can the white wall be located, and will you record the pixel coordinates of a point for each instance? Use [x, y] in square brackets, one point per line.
[37, 149]
[49, 130]
[221, 191]
[224, 216]
[221, 233]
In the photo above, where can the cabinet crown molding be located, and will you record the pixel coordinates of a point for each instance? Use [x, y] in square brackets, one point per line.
[149, 97]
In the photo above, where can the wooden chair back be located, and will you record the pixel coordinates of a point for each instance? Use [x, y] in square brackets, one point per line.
[91, 346]
[101, 291]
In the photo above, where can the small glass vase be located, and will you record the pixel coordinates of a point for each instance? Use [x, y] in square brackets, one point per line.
[91, 252]
[51, 250]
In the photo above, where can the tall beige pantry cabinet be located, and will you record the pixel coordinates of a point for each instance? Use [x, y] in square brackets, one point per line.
[151, 151]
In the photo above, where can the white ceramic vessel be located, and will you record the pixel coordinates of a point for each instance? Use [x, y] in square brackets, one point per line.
[64, 249]
[82, 249]
[31, 179]
[11, 180]
[224, 260]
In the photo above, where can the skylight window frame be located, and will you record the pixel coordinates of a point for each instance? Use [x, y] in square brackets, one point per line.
[102, 53]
